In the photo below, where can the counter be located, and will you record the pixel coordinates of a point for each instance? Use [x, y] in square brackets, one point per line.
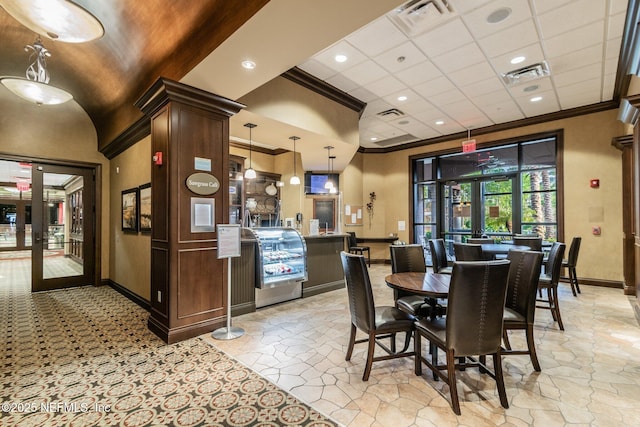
[379, 248]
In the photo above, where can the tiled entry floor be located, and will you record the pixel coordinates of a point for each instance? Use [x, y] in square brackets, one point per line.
[590, 372]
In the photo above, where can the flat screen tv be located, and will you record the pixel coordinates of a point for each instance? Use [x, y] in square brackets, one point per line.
[314, 182]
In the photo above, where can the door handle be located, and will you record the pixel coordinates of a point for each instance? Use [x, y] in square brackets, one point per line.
[36, 237]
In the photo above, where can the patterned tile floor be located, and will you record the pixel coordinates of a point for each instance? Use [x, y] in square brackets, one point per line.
[590, 372]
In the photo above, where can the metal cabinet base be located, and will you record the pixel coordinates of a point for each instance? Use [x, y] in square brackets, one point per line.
[278, 293]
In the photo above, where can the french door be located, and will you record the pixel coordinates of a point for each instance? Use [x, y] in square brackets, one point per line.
[63, 209]
[483, 206]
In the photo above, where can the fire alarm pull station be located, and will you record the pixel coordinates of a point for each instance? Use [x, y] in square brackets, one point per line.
[157, 158]
[594, 183]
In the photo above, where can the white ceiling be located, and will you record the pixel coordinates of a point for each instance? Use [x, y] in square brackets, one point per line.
[449, 64]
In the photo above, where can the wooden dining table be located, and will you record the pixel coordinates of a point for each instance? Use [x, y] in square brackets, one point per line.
[430, 285]
[502, 248]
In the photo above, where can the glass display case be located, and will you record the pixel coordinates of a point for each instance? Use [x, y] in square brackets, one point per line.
[281, 256]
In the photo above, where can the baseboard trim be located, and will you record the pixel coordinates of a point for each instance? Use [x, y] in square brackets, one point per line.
[597, 282]
[127, 293]
[320, 289]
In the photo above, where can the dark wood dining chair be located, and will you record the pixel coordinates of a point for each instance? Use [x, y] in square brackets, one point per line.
[533, 242]
[548, 282]
[472, 326]
[378, 322]
[439, 261]
[468, 252]
[570, 264]
[479, 240]
[520, 305]
[407, 258]
[354, 248]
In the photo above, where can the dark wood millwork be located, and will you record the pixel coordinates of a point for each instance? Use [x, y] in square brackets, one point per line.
[634, 209]
[625, 144]
[323, 264]
[188, 281]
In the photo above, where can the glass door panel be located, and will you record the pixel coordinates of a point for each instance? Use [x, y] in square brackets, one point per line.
[497, 208]
[458, 219]
[15, 224]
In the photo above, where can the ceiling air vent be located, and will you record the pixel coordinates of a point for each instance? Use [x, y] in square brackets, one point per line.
[526, 74]
[391, 113]
[417, 16]
[402, 139]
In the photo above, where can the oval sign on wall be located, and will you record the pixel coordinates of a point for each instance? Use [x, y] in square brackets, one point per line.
[203, 183]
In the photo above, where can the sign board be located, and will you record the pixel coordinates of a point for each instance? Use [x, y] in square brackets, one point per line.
[202, 183]
[228, 240]
[469, 146]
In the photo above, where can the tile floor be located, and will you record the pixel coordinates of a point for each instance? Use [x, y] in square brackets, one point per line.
[590, 372]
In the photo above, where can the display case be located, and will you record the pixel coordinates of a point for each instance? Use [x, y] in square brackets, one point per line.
[281, 256]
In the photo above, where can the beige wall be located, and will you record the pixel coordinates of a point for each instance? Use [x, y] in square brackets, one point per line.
[130, 263]
[62, 132]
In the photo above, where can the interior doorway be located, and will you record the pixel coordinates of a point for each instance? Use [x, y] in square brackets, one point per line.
[47, 224]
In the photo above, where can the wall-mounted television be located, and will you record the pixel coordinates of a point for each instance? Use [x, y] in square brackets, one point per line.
[314, 182]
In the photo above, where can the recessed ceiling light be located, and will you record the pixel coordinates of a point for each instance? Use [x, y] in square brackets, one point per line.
[439, 122]
[340, 58]
[518, 59]
[402, 98]
[373, 138]
[249, 65]
[499, 15]
[536, 99]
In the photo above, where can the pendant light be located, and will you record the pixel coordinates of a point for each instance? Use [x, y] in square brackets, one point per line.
[295, 180]
[333, 189]
[250, 173]
[329, 184]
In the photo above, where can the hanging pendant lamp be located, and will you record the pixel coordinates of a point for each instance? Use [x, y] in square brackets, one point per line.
[295, 180]
[250, 173]
[329, 184]
[333, 189]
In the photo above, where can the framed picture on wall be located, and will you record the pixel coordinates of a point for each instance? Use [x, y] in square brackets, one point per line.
[130, 210]
[144, 216]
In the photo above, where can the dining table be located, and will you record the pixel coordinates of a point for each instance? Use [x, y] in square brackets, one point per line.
[430, 285]
[501, 248]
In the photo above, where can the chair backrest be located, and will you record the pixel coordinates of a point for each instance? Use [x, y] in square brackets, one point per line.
[438, 254]
[553, 265]
[572, 258]
[467, 252]
[475, 306]
[407, 258]
[353, 241]
[479, 240]
[534, 242]
[361, 303]
[524, 273]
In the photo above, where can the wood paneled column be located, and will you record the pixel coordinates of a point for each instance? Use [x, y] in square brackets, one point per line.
[635, 194]
[190, 129]
[625, 144]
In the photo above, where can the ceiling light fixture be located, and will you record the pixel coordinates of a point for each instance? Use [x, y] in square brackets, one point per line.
[402, 98]
[439, 122]
[34, 87]
[499, 15]
[329, 184]
[340, 58]
[536, 99]
[373, 138]
[250, 173]
[249, 65]
[333, 189]
[60, 20]
[295, 180]
[517, 60]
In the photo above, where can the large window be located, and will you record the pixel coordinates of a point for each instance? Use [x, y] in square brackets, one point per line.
[498, 192]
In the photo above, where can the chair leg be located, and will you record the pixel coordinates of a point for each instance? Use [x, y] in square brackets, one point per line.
[550, 302]
[505, 339]
[575, 279]
[573, 286]
[451, 376]
[370, 350]
[556, 307]
[392, 345]
[502, 392]
[417, 348]
[352, 341]
[532, 348]
[407, 342]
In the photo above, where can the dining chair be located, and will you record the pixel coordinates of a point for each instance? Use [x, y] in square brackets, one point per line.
[548, 282]
[354, 248]
[468, 252]
[520, 305]
[533, 242]
[378, 322]
[472, 327]
[479, 240]
[571, 262]
[407, 258]
[439, 261]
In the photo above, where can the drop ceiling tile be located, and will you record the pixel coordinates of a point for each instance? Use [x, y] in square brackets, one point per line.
[577, 39]
[377, 37]
[459, 58]
[342, 83]
[419, 73]
[392, 98]
[582, 93]
[426, 132]
[492, 98]
[365, 73]
[485, 86]
[576, 60]
[434, 87]
[617, 6]
[531, 88]
[610, 66]
[509, 39]
[462, 108]
[317, 69]
[532, 53]
[477, 20]
[447, 37]
[571, 16]
[363, 94]
[381, 127]
[612, 48]
[472, 74]
[374, 107]
[464, 6]
[418, 107]
[615, 26]
[327, 56]
[589, 72]
[400, 57]
[504, 111]
[608, 87]
[386, 85]
[548, 104]
[448, 97]
[542, 6]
